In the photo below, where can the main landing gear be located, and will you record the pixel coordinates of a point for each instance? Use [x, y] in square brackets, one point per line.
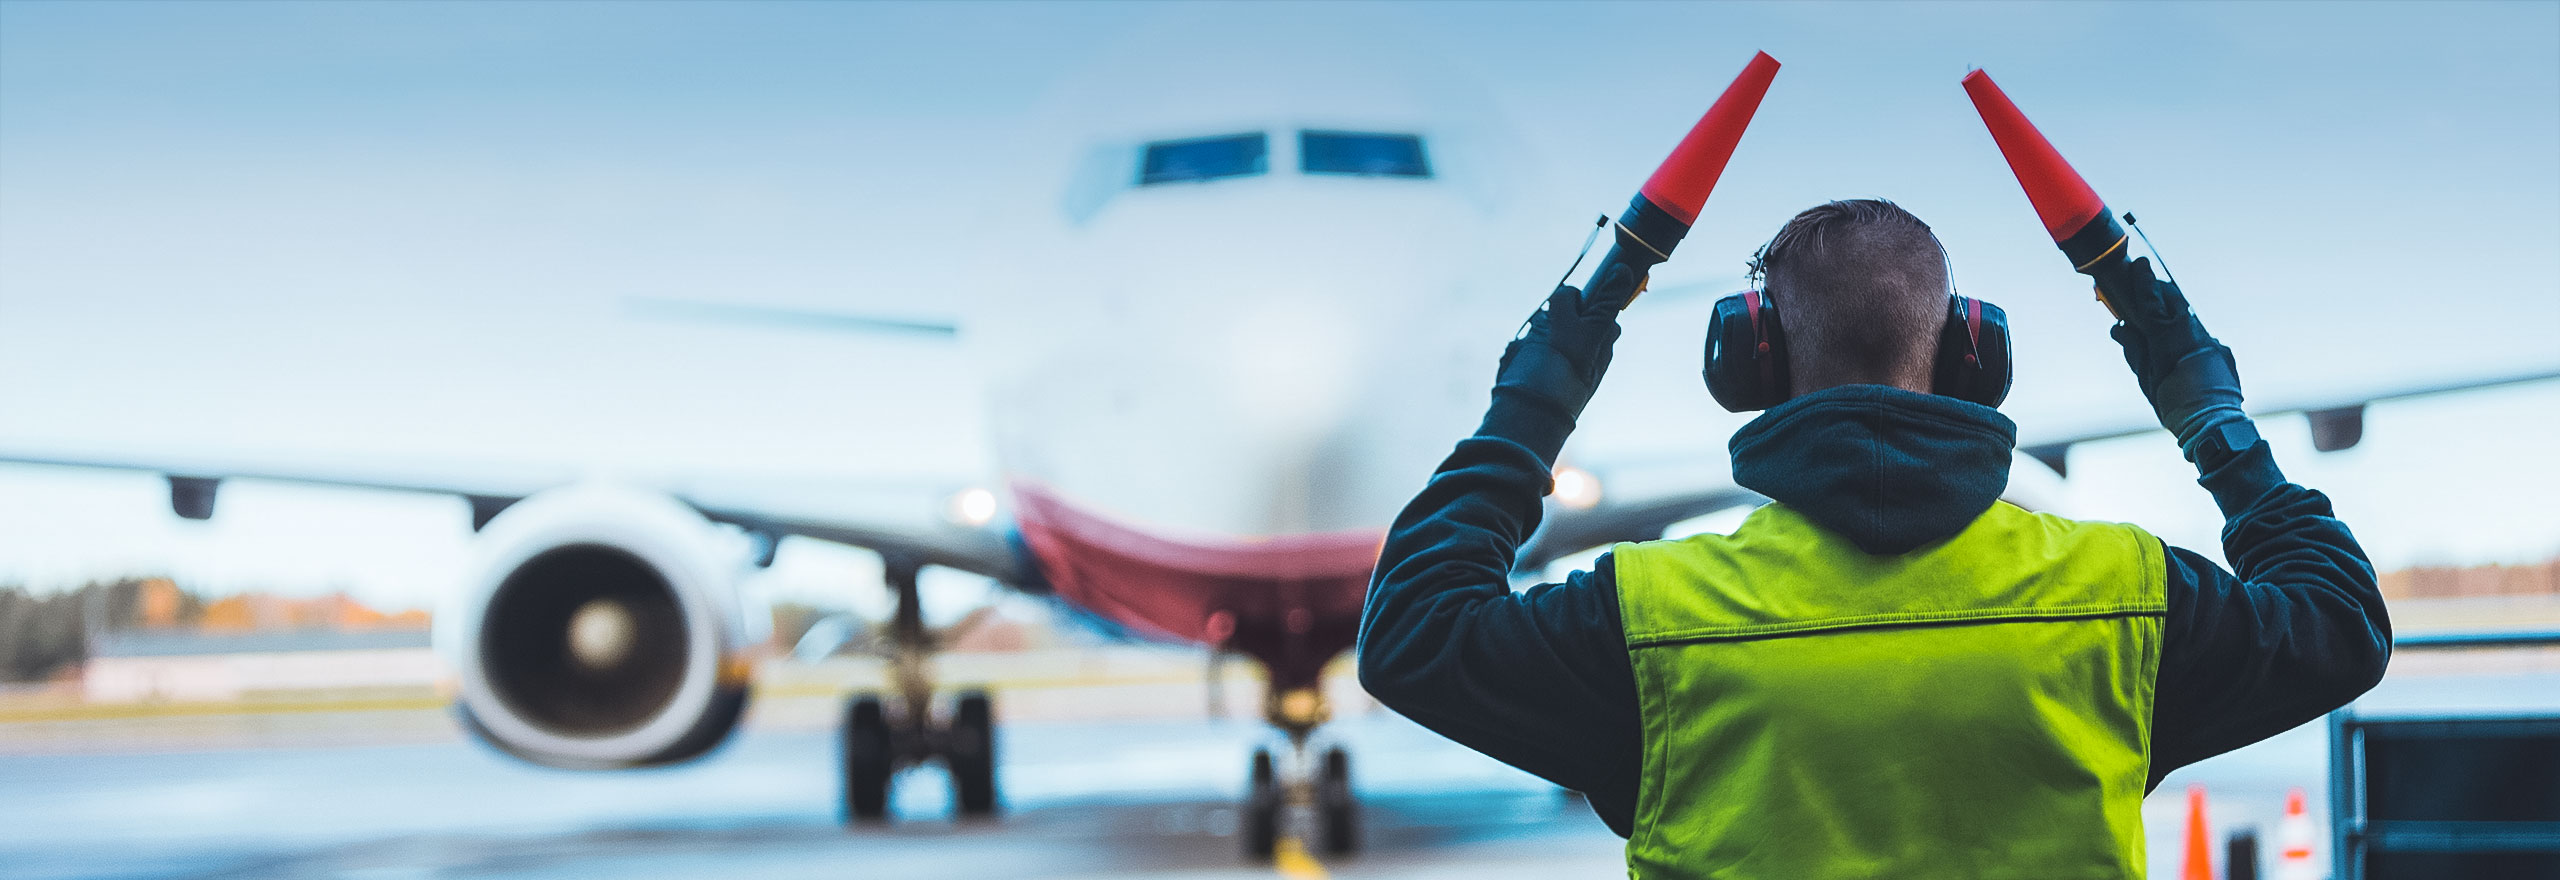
[884, 734]
[1316, 787]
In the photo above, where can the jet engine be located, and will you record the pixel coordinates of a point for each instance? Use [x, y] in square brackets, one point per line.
[603, 627]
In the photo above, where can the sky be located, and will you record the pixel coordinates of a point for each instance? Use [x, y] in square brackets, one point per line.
[401, 238]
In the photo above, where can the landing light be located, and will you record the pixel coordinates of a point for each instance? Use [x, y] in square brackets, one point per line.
[973, 507]
[1576, 488]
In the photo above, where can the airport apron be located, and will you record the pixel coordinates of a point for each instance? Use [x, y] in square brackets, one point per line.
[1976, 708]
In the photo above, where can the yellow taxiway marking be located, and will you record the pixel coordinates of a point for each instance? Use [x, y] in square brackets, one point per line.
[102, 711]
[82, 711]
[1291, 857]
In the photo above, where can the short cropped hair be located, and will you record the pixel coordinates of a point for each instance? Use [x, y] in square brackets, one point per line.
[1863, 286]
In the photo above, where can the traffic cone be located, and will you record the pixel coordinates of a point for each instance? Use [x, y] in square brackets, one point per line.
[2199, 864]
[2294, 836]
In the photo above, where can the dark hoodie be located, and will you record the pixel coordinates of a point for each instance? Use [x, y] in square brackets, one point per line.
[1541, 679]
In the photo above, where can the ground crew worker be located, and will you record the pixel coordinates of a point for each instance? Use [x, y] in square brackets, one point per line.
[1886, 671]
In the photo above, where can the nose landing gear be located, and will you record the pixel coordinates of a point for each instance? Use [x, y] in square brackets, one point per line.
[1337, 811]
[1313, 799]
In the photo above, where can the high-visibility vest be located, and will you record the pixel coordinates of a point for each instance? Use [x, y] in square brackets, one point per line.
[1977, 708]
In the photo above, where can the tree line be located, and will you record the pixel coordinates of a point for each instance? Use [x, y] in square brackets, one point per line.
[43, 635]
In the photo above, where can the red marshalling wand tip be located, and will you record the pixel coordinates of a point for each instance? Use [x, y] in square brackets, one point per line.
[2063, 201]
[1667, 205]
[1680, 186]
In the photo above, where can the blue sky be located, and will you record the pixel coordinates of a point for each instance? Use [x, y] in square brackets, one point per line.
[378, 233]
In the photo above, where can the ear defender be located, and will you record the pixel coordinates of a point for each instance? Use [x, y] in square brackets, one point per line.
[1973, 353]
[1747, 353]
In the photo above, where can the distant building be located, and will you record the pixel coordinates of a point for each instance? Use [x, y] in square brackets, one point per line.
[2445, 582]
[148, 665]
[256, 612]
[159, 605]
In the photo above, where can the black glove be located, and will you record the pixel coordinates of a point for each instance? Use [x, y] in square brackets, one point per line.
[1559, 358]
[2189, 377]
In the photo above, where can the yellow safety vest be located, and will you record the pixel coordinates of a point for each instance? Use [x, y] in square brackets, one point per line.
[1976, 708]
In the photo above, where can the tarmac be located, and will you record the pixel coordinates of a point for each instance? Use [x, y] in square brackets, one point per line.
[1083, 799]
[390, 790]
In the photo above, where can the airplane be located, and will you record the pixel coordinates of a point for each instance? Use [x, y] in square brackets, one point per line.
[1278, 305]
[1207, 460]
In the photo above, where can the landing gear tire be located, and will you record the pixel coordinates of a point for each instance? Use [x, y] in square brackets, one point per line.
[972, 755]
[1259, 820]
[1337, 811]
[868, 759]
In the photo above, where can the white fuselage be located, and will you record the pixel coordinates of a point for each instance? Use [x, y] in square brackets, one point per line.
[1278, 353]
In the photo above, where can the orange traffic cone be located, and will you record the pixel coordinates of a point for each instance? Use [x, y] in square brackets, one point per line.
[2199, 844]
[2294, 837]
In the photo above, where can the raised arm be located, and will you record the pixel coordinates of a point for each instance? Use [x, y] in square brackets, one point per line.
[1539, 680]
[2301, 628]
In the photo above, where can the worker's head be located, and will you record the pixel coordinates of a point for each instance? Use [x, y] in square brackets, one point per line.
[1864, 288]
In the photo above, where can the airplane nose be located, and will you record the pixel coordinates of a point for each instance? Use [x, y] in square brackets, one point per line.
[1291, 362]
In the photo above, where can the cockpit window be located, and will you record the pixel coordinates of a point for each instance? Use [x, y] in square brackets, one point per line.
[1208, 158]
[1363, 153]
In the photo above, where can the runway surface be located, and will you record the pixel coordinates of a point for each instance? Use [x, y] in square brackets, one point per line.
[1119, 799]
[1143, 798]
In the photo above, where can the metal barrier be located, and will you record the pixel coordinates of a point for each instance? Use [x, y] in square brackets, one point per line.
[2495, 638]
[2438, 796]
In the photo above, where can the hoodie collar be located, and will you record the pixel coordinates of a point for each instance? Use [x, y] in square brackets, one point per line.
[1889, 469]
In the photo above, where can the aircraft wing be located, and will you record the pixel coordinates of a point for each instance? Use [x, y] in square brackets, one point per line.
[899, 518]
[908, 520]
[896, 518]
[2336, 422]
[1641, 498]
[1567, 530]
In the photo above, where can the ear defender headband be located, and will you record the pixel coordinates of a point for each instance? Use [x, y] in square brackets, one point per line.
[1747, 349]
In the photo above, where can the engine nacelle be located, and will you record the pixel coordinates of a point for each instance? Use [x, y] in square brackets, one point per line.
[602, 627]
